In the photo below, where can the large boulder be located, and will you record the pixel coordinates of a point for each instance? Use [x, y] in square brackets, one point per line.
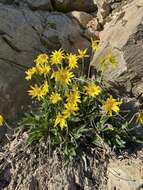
[58, 5]
[6, 1]
[123, 36]
[44, 5]
[23, 35]
[70, 5]
[40, 4]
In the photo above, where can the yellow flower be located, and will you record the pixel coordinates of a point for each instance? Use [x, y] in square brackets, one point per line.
[70, 109]
[94, 45]
[41, 59]
[72, 61]
[93, 90]
[29, 73]
[1, 120]
[63, 76]
[45, 88]
[106, 61]
[43, 70]
[36, 92]
[82, 53]
[111, 105]
[112, 60]
[73, 97]
[57, 57]
[55, 97]
[140, 118]
[61, 121]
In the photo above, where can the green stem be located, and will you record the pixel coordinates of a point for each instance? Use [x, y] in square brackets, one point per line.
[8, 126]
[82, 68]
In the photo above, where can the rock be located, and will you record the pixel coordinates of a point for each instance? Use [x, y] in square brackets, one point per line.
[87, 21]
[104, 9]
[79, 5]
[40, 4]
[93, 28]
[123, 36]
[6, 1]
[23, 35]
[83, 18]
[116, 3]
[44, 5]
[126, 174]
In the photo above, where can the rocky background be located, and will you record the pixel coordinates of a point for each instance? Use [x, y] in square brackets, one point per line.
[29, 27]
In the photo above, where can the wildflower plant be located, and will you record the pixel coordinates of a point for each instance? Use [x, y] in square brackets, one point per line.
[74, 114]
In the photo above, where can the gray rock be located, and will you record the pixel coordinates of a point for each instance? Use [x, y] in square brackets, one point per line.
[23, 35]
[6, 1]
[70, 5]
[40, 4]
[123, 36]
[44, 5]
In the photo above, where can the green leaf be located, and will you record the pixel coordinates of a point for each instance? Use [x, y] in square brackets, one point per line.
[98, 141]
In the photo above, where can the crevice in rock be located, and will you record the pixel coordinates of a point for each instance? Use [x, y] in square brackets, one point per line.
[10, 44]
[18, 66]
[4, 33]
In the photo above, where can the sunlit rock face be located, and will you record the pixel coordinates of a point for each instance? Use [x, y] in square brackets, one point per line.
[123, 36]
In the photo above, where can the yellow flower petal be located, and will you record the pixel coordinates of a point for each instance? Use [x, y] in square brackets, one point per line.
[41, 59]
[70, 109]
[55, 97]
[92, 89]
[61, 121]
[63, 76]
[72, 61]
[43, 70]
[45, 88]
[57, 57]
[39, 92]
[29, 73]
[1, 120]
[139, 119]
[94, 45]
[111, 105]
[82, 53]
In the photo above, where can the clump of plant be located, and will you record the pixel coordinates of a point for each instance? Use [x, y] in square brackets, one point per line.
[75, 114]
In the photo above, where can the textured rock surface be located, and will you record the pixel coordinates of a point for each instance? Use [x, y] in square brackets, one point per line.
[7, 1]
[104, 9]
[70, 5]
[83, 18]
[126, 174]
[23, 35]
[40, 4]
[93, 28]
[124, 37]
